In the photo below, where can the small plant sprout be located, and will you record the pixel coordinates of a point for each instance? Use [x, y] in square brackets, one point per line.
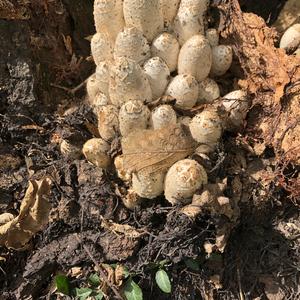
[147, 185]
[185, 89]
[236, 104]
[213, 36]
[206, 128]
[95, 151]
[108, 16]
[291, 38]
[128, 82]
[102, 76]
[208, 91]
[133, 115]
[108, 122]
[158, 75]
[183, 179]
[166, 47]
[145, 15]
[169, 10]
[221, 60]
[188, 23]
[101, 48]
[131, 43]
[162, 116]
[195, 57]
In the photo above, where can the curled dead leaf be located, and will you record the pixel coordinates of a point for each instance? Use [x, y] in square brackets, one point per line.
[33, 216]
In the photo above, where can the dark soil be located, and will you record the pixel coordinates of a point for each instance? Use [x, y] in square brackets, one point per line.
[47, 48]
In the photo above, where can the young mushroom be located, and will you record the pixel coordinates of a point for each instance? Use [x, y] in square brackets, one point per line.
[166, 47]
[206, 129]
[185, 89]
[147, 185]
[108, 122]
[162, 116]
[195, 57]
[131, 43]
[237, 105]
[101, 48]
[133, 115]
[158, 75]
[208, 91]
[145, 15]
[128, 82]
[183, 179]
[291, 38]
[108, 16]
[221, 60]
[95, 151]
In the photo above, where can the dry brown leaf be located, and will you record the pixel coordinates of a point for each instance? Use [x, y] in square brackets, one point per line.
[33, 216]
[156, 150]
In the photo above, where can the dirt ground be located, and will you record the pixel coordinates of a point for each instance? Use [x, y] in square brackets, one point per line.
[45, 46]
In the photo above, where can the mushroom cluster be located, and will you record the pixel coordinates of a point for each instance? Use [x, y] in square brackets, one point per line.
[148, 52]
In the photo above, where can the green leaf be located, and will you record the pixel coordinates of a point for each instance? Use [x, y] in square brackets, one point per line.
[62, 284]
[132, 291]
[192, 264]
[163, 281]
[83, 293]
[99, 296]
[94, 280]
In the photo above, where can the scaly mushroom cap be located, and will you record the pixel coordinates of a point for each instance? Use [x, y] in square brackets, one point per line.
[185, 89]
[148, 186]
[208, 91]
[133, 115]
[158, 75]
[183, 179]
[195, 57]
[221, 60]
[128, 82]
[95, 151]
[162, 116]
[131, 44]
[166, 47]
[119, 164]
[169, 10]
[145, 15]
[101, 48]
[108, 15]
[213, 37]
[200, 5]
[291, 37]
[102, 76]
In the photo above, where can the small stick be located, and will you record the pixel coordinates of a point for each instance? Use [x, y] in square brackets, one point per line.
[240, 284]
[68, 90]
[102, 274]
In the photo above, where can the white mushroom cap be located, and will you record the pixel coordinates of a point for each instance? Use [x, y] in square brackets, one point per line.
[208, 91]
[169, 10]
[213, 36]
[108, 15]
[166, 47]
[131, 43]
[206, 128]
[101, 48]
[195, 57]
[145, 15]
[291, 37]
[95, 151]
[221, 60]
[183, 179]
[102, 76]
[99, 101]
[133, 115]
[162, 116]
[158, 75]
[108, 122]
[201, 5]
[188, 23]
[237, 104]
[184, 88]
[128, 82]
[148, 185]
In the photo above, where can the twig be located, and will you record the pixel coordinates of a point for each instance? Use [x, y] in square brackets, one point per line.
[68, 90]
[102, 274]
[240, 284]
